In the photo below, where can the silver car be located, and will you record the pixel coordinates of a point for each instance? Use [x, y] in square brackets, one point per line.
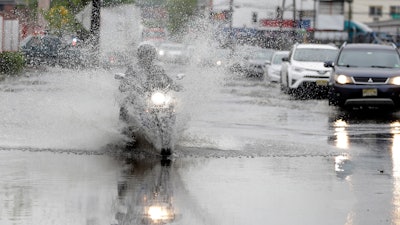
[275, 67]
[172, 52]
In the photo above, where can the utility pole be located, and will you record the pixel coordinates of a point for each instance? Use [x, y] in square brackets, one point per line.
[281, 15]
[95, 30]
[350, 9]
[294, 14]
[294, 21]
[42, 5]
[231, 25]
[95, 22]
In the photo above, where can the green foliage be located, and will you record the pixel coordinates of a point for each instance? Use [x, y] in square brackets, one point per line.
[150, 2]
[107, 3]
[60, 19]
[180, 11]
[11, 63]
[74, 6]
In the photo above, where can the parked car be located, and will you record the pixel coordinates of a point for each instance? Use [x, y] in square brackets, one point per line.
[218, 57]
[52, 50]
[303, 73]
[256, 64]
[274, 68]
[116, 58]
[251, 61]
[365, 75]
[172, 52]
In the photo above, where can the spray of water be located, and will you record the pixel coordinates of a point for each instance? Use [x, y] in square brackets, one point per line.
[59, 109]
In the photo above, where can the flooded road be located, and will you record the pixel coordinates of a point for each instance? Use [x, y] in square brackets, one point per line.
[245, 154]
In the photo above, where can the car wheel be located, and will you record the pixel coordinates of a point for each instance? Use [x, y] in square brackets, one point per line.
[282, 87]
[332, 99]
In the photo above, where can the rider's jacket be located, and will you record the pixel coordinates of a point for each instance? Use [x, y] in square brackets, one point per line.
[146, 79]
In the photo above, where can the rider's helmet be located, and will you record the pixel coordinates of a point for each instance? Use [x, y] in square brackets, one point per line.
[146, 53]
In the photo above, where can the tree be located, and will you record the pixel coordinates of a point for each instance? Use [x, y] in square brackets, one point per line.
[107, 3]
[59, 19]
[179, 13]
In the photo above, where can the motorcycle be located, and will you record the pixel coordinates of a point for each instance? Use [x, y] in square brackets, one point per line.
[149, 115]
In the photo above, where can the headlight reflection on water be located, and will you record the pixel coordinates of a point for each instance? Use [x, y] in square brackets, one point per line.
[343, 161]
[395, 131]
[160, 213]
[157, 213]
[339, 161]
[342, 137]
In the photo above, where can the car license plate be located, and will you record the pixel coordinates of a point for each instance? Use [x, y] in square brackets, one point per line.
[370, 92]
[321, 82]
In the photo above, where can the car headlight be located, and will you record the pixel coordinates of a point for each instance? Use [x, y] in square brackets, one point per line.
[161, 52]
[343, 79]
[158, 98]
[394, 80]
[298, 69]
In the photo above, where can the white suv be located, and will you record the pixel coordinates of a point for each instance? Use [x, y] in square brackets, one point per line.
[303, 73]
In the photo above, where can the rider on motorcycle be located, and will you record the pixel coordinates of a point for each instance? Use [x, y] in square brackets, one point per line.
[145, 76]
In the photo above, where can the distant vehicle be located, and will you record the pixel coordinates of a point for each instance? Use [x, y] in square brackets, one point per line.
[274, 68]
[218, 57]
[303, 73]
[256, 64]
[172, 52]
[154, 34]
[251, 61]
[52, 50]
[365, 75]
[117, 59]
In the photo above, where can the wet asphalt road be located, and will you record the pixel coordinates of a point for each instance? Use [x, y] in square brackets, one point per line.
[245, 154]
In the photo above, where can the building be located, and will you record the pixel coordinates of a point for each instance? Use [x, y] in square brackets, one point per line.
[380, 16]
[368, 11]
[10, 4]
[9, 25]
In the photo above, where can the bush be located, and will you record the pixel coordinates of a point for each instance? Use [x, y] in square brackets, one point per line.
[11, 63]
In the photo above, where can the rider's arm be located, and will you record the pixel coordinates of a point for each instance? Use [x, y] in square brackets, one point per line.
[170, 82]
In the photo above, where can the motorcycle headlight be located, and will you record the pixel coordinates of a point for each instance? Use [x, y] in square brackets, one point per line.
[158, 98]
[157, 213]
[343, 79]
[219, 62]
[394, 80]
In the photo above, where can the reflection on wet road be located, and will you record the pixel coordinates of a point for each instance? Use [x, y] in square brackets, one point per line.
[246, 154]
[370, 143]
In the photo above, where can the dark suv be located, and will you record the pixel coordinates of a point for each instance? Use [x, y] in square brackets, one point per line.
[53, 50]
[365, 75]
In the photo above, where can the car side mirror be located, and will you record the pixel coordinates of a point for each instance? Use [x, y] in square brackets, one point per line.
[180, 76]
[329, 64]
[285, 59]
[119, 76]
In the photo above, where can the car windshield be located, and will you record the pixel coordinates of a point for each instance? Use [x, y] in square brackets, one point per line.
[222, 53]
[379, 58]
[173, 47]
[277, 60]
[262, 55]
[314, 55]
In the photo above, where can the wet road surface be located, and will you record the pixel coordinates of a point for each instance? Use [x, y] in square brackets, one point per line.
[246, 154]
